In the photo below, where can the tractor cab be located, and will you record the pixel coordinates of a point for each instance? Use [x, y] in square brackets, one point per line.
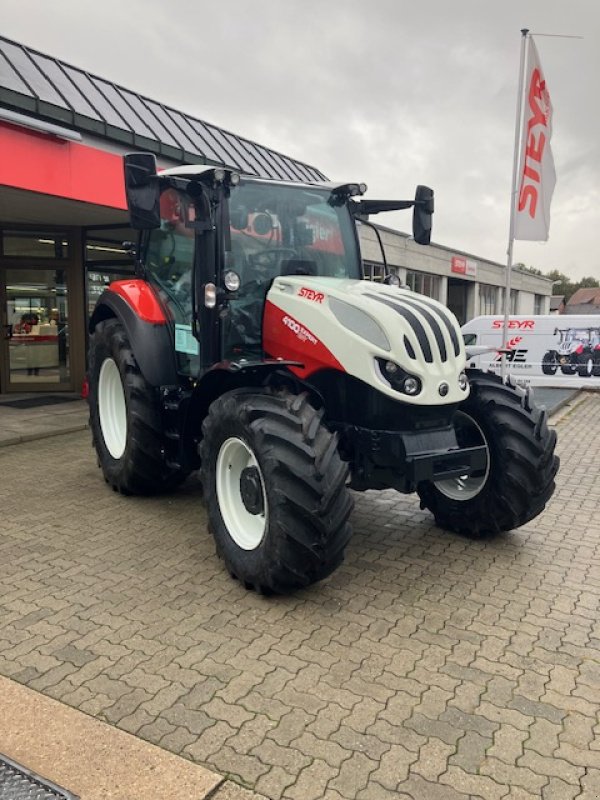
[212, 242]
[573, 340]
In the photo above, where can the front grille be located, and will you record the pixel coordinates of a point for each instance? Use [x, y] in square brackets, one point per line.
[429, 333]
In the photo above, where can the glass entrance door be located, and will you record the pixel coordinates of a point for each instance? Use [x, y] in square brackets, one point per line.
[34, 348]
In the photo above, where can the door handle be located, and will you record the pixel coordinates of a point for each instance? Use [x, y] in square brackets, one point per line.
[8, 331]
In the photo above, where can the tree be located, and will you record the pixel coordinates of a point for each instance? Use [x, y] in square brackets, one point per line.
[564, 285]
[533, 270]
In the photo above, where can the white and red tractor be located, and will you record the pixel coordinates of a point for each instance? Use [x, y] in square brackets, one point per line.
[249, 346]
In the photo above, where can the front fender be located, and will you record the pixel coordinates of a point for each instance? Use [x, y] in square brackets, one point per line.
[151, 341]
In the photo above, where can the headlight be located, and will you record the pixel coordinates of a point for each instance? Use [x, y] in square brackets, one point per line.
[411, 385]
[231, 280]
[398, 379]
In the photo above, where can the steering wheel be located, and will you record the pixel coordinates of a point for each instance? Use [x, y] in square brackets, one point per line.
[271, 258]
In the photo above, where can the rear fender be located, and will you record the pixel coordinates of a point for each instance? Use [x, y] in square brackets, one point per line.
[151, 341]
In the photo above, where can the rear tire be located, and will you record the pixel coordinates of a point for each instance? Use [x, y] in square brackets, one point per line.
[275, 489]
[519, 479]
[125, 417]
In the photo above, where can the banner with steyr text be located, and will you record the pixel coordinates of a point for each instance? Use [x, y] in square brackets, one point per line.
[537, 176]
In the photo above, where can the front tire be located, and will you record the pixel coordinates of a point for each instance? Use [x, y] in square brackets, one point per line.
[519, 478]
[275, 490]
[549, 364]
[125, 417]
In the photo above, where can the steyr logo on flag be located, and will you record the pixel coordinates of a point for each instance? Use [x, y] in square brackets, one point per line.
[536, 172]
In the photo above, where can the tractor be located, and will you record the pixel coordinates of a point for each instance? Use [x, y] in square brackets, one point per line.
[250, 347]
[577, 351]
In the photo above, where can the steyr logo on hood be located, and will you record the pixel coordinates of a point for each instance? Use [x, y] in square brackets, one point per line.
[310, 294]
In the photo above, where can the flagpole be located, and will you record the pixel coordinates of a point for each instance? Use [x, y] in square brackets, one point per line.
[513, 199]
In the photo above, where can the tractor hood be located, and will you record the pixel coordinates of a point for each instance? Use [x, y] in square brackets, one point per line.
[380, 334]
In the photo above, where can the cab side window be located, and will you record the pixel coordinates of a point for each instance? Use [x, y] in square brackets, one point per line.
[169, 260]
[170, 254]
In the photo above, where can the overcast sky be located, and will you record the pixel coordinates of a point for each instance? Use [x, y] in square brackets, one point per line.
[389, 92]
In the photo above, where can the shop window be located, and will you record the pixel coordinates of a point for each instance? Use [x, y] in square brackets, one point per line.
[423, 283]
[514, 300]
[97, 280]
[37, 326]
[373, 272]
[488, 296]
[538, 304]
[105, 249]
[34, 244]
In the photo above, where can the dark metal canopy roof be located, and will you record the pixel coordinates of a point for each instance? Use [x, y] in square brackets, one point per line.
[44, 87]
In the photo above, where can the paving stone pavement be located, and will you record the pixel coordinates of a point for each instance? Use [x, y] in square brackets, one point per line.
[428, 666]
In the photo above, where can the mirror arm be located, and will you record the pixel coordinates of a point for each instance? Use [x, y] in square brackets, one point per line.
[366, 207]
[381, 247]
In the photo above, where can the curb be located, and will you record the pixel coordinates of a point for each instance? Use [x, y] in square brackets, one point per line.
[567, 405]
[31, 437]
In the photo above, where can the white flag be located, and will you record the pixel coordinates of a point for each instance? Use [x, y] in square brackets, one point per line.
[536, 167]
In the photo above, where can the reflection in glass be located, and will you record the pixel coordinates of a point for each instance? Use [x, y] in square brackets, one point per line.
[37, 317]
[34, 244]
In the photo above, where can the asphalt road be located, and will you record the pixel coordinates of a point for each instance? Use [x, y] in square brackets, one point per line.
[552, 398]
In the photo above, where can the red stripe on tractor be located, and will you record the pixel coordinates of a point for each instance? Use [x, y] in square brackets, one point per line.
[142, 299]
[286, 337]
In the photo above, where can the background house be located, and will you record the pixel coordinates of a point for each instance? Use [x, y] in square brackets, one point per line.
[584, 301]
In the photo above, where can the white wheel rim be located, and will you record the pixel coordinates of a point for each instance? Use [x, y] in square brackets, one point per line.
[465, 487]
[245, 528]
[112, 408]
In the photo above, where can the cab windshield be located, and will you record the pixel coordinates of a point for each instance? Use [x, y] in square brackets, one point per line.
[289, 230]
[280, 230]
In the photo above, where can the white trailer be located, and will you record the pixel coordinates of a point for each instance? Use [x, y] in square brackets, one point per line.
[551, 350]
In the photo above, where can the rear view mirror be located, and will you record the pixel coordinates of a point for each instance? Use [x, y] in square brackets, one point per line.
[142, 191]
[423, 210]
